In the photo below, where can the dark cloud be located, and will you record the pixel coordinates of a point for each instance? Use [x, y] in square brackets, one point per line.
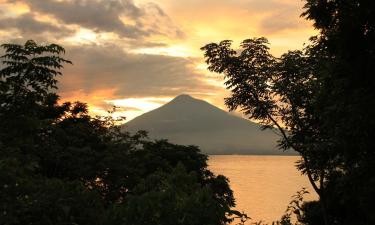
[131, 75]
[28, 25]
[122, 17]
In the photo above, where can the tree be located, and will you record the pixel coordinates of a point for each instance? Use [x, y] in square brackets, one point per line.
[347, 103]
[321, 100]
[278, 92]
[60, 165]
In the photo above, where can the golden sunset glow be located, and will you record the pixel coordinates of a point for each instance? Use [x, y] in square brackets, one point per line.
[138, 52]
[15, 8]
[177, 51]
[83, 36]
[133, 107]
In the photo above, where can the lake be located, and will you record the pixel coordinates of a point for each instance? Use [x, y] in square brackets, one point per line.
[262, 185]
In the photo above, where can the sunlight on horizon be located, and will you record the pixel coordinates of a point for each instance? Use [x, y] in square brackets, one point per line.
[83, 36]
[151, 44]
[133, 107]
[175, 51]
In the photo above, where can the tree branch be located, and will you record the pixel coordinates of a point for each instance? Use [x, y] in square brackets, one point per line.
[308, 170]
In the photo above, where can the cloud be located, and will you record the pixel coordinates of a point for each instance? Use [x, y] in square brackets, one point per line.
[277, 23]
[241, 17]
[28, 25]
[126, 75]
[282, 16]
[122, 17]
[105, 39]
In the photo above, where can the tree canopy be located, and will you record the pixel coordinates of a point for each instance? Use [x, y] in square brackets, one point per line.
[321, 100]
[60, 165]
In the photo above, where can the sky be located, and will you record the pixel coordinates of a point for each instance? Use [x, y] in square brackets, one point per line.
[140, 54]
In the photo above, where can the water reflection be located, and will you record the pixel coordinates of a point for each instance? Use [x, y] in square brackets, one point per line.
[262, 185]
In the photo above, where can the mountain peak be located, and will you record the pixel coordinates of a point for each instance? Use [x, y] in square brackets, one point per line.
[183, 97]
[190, 121]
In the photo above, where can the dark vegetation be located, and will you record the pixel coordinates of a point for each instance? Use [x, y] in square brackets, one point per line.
[322, 101]
[59, 165]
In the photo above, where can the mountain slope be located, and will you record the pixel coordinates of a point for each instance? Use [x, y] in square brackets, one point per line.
[189, 121]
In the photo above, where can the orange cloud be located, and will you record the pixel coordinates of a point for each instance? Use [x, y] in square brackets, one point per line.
[125, 49]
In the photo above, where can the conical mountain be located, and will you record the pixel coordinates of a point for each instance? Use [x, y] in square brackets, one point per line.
[189, 121]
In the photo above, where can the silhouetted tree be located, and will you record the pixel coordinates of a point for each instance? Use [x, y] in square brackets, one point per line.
[321, 100]
[278, 92]
[59, 165]
[347, 103]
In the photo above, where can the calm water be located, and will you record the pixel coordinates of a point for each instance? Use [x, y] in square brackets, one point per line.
[262, 185]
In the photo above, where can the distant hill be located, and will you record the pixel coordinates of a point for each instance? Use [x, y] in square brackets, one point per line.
[189, 121]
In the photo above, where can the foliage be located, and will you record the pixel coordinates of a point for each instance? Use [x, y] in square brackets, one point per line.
[321, 100]
[347, 103]
[278, 92]
[59, 165]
